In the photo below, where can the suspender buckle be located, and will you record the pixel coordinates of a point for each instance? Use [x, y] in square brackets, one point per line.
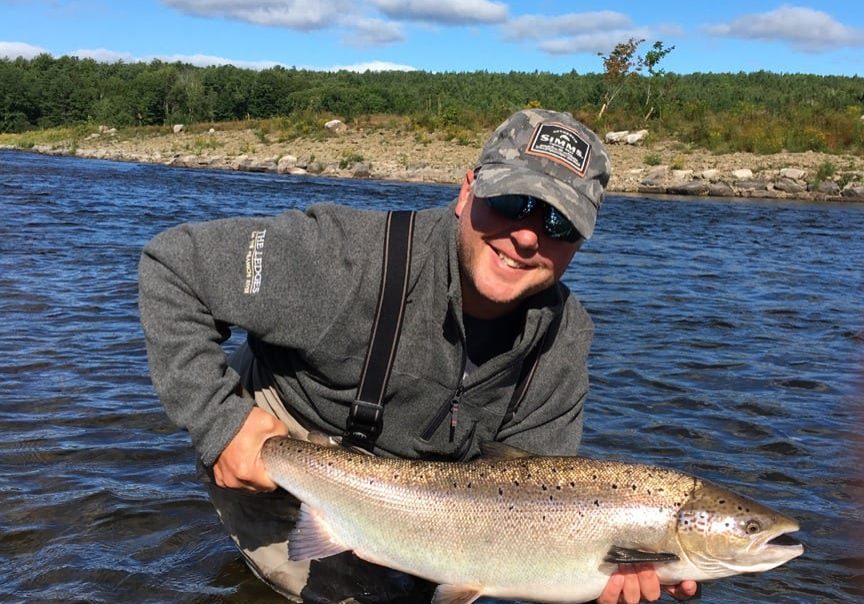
[363, 425]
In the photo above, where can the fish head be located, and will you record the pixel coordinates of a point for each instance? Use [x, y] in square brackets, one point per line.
[723, 533]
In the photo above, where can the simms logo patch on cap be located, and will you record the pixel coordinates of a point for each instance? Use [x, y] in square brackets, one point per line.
[560, 144]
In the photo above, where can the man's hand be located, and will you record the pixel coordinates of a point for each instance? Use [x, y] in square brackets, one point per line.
[634, 583]
[239, 466]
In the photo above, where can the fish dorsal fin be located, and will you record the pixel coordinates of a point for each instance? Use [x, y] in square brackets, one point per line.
[455, 594]
[491, 449]
[624, 555]
[311, 539]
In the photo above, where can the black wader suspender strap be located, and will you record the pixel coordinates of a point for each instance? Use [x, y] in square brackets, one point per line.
[365, 417]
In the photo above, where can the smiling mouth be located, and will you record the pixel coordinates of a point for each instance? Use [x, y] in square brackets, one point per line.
[510, 262]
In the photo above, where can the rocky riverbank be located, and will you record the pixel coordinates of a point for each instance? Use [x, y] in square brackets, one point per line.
[394, 153]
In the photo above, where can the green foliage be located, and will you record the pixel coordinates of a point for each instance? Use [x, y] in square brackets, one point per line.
[761, 112]
[652, 159]
[825, 171]
[349, 158]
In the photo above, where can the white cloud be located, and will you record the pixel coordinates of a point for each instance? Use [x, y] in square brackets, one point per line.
[449, 12]
[301, 15]
[374, 32]
[13, 50]
[805, 29]
[579, 33]
[593, 43]
[535, 27]
[373, 66]
[102, 55]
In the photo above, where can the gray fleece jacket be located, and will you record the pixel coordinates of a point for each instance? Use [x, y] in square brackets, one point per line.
[304, 286]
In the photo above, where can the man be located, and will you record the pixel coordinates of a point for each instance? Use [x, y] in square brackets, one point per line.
[492, 345]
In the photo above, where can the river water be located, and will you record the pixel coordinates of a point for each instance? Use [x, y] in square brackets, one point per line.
[729, 344]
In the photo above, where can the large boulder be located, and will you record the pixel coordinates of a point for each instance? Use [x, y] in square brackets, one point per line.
[335, 126]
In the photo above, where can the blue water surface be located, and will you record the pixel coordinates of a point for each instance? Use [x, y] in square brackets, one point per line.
[728, 344]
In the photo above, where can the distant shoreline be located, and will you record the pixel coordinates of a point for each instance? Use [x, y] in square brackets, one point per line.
[655, 167]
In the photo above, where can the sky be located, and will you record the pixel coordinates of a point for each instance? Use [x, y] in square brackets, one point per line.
[556, 36]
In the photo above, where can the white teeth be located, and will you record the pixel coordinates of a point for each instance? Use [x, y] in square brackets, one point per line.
[510, 262]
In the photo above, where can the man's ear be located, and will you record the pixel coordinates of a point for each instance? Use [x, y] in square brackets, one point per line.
[464, 192]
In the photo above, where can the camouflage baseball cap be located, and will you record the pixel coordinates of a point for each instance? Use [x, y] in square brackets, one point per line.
[548, 155]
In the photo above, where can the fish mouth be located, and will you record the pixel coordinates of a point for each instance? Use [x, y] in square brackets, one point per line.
[777, 549]
[784, 540]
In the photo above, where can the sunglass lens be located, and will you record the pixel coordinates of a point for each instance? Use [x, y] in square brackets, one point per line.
[515, 207]
[558, 227]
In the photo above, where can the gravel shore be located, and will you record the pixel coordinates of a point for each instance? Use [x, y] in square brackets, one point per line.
[654, 167]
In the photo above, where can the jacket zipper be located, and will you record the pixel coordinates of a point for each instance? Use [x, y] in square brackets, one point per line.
[454, 413]
[451, 407]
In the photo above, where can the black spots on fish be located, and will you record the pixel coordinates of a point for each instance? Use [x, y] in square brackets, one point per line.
[395, 475]
[614, 487]
[721, 501]
[557, 487]
[500, 492]
[515, 483]
[633, 486]
[594, 477]
[572, 484]
[544, 487]
[597, 503]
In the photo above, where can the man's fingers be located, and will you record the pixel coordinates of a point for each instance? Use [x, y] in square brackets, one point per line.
[685, 591]
[649, 584]
[612, 590]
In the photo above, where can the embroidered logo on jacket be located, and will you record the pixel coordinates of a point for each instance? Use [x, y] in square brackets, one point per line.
[254, 262]
[560, 144]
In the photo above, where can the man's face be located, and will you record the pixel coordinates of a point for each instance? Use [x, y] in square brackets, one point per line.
[503, 261]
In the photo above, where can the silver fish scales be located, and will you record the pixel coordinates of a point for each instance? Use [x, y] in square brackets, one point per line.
[519, 526]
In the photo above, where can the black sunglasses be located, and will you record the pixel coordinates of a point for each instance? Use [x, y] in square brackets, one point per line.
[517, 207]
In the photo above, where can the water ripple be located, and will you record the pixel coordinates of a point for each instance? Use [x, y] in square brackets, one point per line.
[728, 344]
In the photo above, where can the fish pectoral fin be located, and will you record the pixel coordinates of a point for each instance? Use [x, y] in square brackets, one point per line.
[625, 555]
[311, 539]
[455, 594]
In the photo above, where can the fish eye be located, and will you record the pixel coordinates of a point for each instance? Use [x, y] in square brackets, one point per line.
[752, 527]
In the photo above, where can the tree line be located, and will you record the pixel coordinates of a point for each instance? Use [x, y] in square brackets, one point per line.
[760, 111]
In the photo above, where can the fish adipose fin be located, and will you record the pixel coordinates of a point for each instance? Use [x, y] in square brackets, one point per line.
[623, 555]
[310, 538]
[455, 594]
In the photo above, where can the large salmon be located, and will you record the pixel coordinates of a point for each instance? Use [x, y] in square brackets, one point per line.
[519, 526]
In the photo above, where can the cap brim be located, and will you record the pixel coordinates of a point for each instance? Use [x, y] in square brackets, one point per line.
[502, 179]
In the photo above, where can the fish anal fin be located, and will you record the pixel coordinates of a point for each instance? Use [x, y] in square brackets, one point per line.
[625, 555]
[455, 594]
[491, 449]
[311, 539]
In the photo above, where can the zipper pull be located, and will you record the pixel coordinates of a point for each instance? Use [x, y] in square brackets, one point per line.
[454, 418]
